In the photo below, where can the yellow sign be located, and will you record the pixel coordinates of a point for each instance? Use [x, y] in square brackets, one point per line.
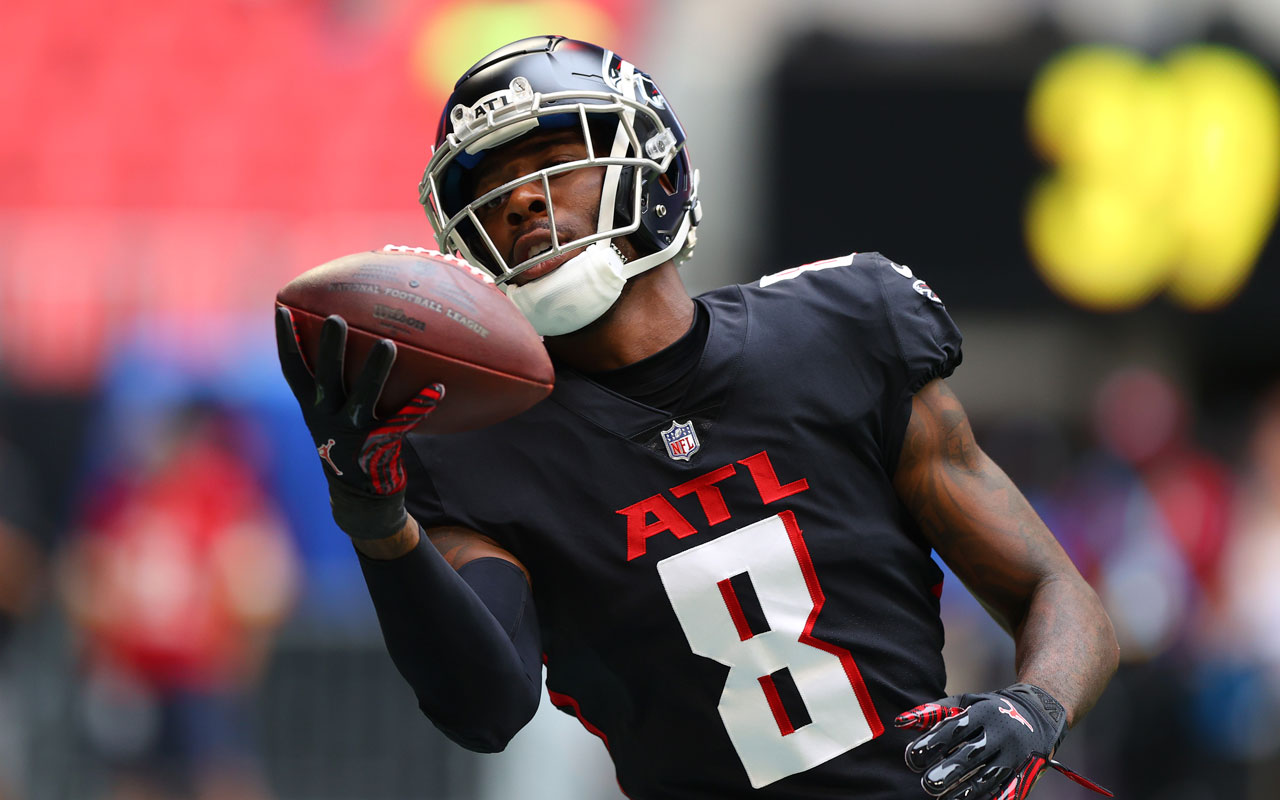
[453, 39]
[1167, 179]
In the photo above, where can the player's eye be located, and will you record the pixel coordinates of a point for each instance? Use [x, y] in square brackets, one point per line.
[555, 162]
[494, 203]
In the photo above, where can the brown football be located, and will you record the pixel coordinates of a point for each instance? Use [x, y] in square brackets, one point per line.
[449, 321]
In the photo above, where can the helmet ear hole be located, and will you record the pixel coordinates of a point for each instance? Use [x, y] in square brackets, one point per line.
[664, 180]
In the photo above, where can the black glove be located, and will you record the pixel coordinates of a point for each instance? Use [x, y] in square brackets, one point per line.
[361, 454]
[989, 745]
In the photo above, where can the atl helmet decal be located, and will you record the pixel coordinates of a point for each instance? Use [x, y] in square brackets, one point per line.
[681, 440]
[518, 94]
[1013, 712]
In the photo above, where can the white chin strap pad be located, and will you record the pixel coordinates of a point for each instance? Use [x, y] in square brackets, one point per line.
[573, 295]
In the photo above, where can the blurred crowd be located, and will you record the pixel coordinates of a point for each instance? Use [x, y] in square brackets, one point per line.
[177, 571]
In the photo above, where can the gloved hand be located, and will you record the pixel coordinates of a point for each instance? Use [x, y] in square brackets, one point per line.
[360, 453]
[988, 745]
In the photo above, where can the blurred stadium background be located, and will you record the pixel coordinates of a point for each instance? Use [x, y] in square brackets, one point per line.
[1091, 185]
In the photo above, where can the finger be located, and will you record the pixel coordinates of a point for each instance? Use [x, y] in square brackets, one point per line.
[292, 364]
[424, 402]
[381, 457]
[941, 739]
[956, 768]
[421, 406]
[368, 387]
[413, 412]
[925, 716]
[1019, 784]
[987, 783]
[329, 363]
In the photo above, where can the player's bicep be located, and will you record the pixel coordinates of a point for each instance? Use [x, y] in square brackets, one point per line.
[460, 546]
[971, 512]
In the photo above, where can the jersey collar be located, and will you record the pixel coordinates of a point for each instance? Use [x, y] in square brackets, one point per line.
[714, 376]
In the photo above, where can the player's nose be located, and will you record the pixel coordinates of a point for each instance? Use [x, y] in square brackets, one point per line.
[527, 200]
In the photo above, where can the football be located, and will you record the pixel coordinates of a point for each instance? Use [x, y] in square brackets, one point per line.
[450, 322]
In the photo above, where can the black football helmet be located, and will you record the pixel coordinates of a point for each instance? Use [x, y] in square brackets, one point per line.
[650, 190]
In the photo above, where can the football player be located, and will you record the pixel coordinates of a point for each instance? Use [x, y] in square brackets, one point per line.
[716, 533]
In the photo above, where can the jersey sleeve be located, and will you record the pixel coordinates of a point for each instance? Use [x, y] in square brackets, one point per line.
[891, 319]
[926, 339]
[437, 494]
[891, 331]
[445, 485]
[422, 499]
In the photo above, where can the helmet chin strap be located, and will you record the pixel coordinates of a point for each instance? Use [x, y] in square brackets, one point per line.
[581, 289]
[573, 295]
[646, 263]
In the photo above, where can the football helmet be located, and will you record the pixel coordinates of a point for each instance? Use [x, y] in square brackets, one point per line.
[650, 191]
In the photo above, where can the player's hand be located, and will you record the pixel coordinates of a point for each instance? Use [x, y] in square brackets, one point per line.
[987, 746]
[360, 454]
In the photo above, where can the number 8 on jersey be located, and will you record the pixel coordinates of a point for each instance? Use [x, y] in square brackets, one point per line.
[774, 558]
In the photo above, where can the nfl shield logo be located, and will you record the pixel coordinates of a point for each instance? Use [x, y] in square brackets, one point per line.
[681, 440]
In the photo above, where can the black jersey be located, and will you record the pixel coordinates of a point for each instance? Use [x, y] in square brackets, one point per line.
[731, 596]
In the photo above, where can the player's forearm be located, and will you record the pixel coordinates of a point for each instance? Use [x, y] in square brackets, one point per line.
[988, 533]
[1003, 552]
[392, 546]
[1066, 644]
[473, 661]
